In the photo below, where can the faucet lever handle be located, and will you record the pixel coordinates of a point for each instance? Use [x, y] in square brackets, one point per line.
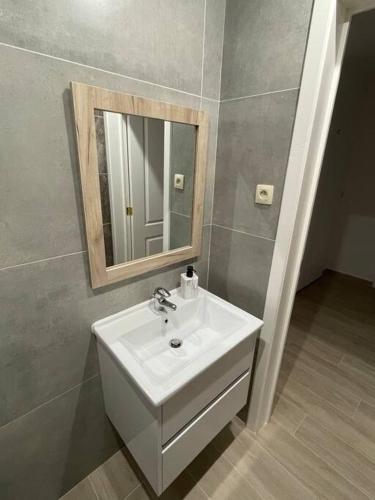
[161, 292]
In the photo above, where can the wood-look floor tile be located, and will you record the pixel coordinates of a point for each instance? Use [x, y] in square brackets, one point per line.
[114, 479]
[347, 345]
[139, 493]
[338, 378]
[303, 368]
[362, 362]
[81, 491]
[287, 414]
[362, 372]
[342, 293]
[364, 419]
[318, 346]
[351, 303]
[269, 478]
[335, 421]
[183, 488]
[219, 479]
[321, 319]
[344, 458]
[315, 473]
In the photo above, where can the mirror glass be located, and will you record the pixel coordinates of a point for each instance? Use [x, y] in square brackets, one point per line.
[146, 175]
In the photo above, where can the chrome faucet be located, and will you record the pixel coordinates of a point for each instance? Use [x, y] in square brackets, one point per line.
[160, 295]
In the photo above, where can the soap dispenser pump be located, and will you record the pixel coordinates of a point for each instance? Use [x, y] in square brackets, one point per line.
[189, 284]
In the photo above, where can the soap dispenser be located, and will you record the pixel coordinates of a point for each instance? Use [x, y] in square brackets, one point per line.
[189, 284]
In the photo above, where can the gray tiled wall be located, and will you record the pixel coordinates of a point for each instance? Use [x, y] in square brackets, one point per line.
[182, 162]
[254, 137]
[180, 230]
[239, 264]
[264, 45]
[53, 430]
[181, 200]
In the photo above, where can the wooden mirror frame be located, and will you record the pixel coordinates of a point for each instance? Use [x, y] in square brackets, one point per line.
[86, 99]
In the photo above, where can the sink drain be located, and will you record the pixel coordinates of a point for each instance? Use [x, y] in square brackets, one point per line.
[175, 343]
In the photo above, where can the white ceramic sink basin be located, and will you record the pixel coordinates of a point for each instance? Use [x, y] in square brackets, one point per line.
[139, 339]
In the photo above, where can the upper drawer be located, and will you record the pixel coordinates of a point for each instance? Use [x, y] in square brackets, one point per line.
[185, 405]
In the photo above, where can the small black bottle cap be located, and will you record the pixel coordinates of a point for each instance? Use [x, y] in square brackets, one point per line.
[189, 271]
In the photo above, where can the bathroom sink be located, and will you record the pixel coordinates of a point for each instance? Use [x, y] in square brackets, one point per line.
[204, 329]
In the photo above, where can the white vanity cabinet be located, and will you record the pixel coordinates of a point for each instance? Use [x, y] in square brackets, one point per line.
[165, 439]
[172, 382]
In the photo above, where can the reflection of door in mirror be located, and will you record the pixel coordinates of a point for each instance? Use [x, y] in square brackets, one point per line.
[146, 208]
[146, 173]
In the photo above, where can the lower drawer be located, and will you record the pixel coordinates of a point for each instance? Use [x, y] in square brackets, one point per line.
[178, 453]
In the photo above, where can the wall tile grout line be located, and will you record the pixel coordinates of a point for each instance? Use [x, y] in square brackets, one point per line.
[43, 260]
[121, 75]
[258, 95]
[55, 257]
[209, 257]
[203, 46]
[215, 156]
[181, 215]
[45, 403]
[212, 200]
[213, 190]
[243, 232]
[211, 99]
[222, 52]
[201, 106]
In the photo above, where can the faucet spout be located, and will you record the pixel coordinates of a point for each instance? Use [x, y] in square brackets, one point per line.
[167, 303]
[160, 295]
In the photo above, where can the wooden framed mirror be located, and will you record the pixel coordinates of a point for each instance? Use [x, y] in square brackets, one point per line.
[142, 165]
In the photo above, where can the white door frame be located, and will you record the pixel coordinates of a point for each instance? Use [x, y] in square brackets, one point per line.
[166, 187]
[116, 156]
[323, 61]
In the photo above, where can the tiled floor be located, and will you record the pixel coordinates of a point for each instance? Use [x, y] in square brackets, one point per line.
[320, 442]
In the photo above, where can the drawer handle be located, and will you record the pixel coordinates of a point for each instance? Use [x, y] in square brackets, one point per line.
[204, 412]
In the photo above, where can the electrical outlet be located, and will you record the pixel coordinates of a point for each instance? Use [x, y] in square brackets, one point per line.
[264, 194]
[179, 181]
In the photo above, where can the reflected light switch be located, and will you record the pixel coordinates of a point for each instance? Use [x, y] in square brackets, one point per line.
[264, 194]
[179, 181]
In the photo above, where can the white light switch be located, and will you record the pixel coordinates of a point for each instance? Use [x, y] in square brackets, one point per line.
[264, 194]
[179, 181]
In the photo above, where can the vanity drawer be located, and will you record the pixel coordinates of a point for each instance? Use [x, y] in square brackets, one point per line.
[186, 404]
[177, 454]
